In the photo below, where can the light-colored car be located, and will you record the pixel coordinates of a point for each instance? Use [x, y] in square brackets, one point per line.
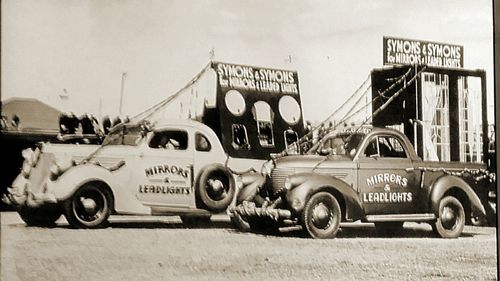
[177, 167]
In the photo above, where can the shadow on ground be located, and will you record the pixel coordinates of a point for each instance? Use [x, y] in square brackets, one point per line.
[367, 230]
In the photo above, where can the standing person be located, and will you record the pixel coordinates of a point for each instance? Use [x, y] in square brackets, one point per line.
[116, 121]
[63, 123]
[95, 124]
[87, 126]
[73, 123]
[106, 124]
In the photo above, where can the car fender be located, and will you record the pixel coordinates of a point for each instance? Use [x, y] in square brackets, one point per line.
[251, 182]
[72, 179]
[445, 183]
[304, 185]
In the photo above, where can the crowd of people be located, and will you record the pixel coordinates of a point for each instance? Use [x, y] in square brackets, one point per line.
[86, 124]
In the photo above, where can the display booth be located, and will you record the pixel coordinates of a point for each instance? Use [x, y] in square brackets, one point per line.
[444, 113]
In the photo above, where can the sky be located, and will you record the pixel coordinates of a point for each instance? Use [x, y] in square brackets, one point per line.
[71, 54]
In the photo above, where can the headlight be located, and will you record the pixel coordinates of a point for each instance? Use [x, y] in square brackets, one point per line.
[288, 183]
[267, 167]
[238, 182]
[55, 170]
[59, 168]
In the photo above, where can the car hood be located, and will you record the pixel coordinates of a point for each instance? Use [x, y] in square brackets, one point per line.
[311, 161]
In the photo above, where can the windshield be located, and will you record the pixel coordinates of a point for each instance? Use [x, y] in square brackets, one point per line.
[340, 144]
[125, 135]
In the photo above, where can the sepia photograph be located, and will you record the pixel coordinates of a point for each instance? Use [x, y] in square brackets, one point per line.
[248, 140]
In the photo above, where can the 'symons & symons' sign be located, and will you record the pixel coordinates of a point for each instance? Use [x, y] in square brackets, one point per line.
[399, 51]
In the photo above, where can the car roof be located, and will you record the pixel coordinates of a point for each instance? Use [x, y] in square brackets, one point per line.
[165, 123]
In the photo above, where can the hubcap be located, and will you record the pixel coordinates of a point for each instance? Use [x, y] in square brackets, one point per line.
[449, 217]
[89, 205]
[216, 189]
[216, 185]
[321, 216]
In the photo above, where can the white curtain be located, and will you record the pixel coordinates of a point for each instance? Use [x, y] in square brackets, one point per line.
[429, 102]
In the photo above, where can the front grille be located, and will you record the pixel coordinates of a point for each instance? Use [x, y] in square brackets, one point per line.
[278, 176]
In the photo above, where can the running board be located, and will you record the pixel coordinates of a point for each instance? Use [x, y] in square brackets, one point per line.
[165, 211]
[400, 217]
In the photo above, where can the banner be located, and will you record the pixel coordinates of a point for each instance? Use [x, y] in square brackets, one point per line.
[399, 51]
[251, 78]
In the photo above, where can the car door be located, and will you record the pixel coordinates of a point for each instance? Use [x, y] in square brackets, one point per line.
[167, 170]
[386, 182]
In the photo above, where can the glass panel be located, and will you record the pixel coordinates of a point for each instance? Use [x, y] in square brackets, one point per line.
[240, 137]
[435, 117]
[470, 123]
[170, 139]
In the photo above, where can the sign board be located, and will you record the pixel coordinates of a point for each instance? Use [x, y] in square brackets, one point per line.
[257, 110]
[398, 51]
[263, 80]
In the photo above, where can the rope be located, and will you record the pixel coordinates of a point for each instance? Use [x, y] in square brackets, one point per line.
[406, 84]
[305, 139]
[150, 111]
[163, 103]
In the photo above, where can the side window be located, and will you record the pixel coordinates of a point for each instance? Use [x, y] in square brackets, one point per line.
[391, 147]
[291, 139]
[371, 148]
[240, 137]
[170, 139]
[202, 143]
[265, 131]
[386, 146]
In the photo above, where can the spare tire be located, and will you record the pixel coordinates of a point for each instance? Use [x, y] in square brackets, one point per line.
[215, 188]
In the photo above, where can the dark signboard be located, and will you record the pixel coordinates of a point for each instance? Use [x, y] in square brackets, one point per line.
[398, 51]
[258, 110]
[263, 80]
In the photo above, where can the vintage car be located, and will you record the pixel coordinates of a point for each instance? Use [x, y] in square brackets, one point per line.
[175, 167]
[372, 175]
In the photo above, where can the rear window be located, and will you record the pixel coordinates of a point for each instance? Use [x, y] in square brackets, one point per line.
[125, 135]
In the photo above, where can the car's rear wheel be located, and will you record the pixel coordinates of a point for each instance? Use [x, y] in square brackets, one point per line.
[88, 207]
[321, 216]
[451, 218]
[45, 216]
[216, 188]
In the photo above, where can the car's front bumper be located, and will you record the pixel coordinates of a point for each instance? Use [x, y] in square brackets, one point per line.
[21, 195]
[248, 209]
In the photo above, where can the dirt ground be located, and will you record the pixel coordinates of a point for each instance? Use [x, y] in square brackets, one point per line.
[164, 249]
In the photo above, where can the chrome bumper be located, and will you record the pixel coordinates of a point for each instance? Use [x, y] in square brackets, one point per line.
[27, 198]
[249, 209]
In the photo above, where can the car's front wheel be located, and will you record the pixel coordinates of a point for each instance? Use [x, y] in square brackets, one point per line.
[321, 216]
[451, 218]
[88, 207]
